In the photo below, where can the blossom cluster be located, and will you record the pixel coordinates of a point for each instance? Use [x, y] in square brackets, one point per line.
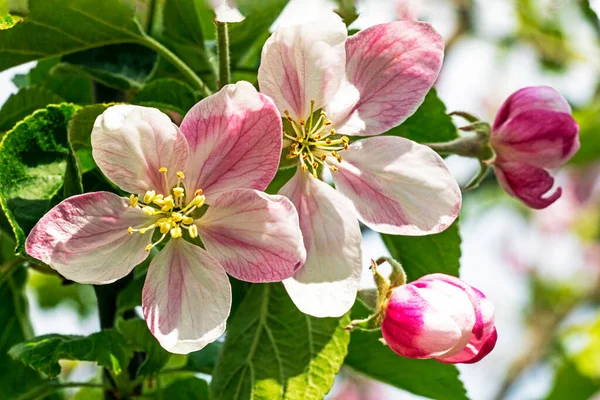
[193, 195]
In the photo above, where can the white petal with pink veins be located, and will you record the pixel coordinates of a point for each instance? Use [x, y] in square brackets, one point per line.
[186, 297]
[85, 238]
[235, 141]
[398, 186]
[131, 143]
[255, 236]
[392, 67]
[304, 62]
[327, 283]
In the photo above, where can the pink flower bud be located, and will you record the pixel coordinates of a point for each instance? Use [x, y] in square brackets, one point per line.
[533, 132]
[440, 316]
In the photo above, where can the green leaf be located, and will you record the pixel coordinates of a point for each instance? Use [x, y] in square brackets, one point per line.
[429, 378]
[42, 353]
[140, 339]
[34, 156]
[204, 360]
[429, 124]
[79, 131]
[60, 27]
[187, 389]
[70, 88]
[23, 103]
[422, 255]
[273, 351]
[280, 179]
[122, 66]
[167, 94]
[254, 29]
[589, 124]
[570, 384]
[51, 291]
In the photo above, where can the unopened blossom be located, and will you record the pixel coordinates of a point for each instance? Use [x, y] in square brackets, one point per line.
[328, 88]
[202, 181]
[439, 316]
[533, 133]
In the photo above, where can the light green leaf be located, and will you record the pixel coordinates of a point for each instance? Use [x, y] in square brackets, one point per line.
[122, 66]
[23, 103]
[35, 159]
[42, 353]
[589, 124]
[570, 383]
[187, 389]
[429, 124]
[138, 336]
[273, 351]
[60, 27]
[429, 378]
[167, 94]
[79, 131]
[422, 255]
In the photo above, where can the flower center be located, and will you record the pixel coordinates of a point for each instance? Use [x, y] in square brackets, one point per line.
[175, 212]
[314, 141]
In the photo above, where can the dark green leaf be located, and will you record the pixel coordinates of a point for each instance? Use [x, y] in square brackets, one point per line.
[121, 66]
[280, 179]
[42, 353]
[140, 339]
[429, 124]
[79, 134]
[422, 255]
[187, 389]
[273, 351]
[34, 156]
[429, 378]
[167, 94]
[205, 359]
[23, 103]
[70, 88]
[59, 27]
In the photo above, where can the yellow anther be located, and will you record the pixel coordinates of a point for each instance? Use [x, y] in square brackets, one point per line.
[286, 112]
[345, 139]
[346, 146]
[193, 231]
[334, 153]
[176, 216]
[159, 202]
[165, 228]
[199, 200]
[176, 232]
[339, 158]
[133, 200]
[187, 220]
[333, 168]
[328, 141]
[312, 103]
[149, 196]
[178, 191]
[304, 156]
[149, 247]
[327, 122]
[323, 157]
[148, 210]
[162, 170]
[315, 164]
[169, 203]
[304, 168]
[198, 192]
[302, 122]
[130, 230]
[332, 131]
[180, 175]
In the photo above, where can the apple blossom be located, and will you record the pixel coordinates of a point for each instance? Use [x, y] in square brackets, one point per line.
[225, 152]
[439, 316]
[533, 132]
[328, 87]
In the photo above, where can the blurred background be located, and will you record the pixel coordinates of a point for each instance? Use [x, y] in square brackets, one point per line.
[540, 268]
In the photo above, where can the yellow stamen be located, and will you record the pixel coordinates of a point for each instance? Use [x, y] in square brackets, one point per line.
[162, 170]
[149, 196]
[176, 232]
[178, 191]
[133, 200]
[149, 247]
[176, 216]
[165, 227]
[333, 168]
[198, 192]
[180, 175]
[187, 220]
[193, 231]
[148, 210]
[130, 230]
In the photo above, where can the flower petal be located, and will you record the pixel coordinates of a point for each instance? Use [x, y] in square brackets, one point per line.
[527, 183]
[327, 283]
[398, 186]
[304, 62]
[226, 11]
[543, 138]
[235, 141]
[186, 298]
[131, 143]
[255, 236]
[474, 351]
[392, 66]
[531, 98]
[85, 238]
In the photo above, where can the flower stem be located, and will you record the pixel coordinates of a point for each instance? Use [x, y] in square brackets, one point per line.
[223, 43]
[178, 63]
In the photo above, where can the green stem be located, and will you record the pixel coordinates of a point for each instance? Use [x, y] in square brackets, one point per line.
[472, 146]
[178, 63]
[47, 389]
[223, 44]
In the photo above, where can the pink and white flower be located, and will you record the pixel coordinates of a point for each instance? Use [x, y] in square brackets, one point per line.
[229, 146]
[328, 87]
[440, 316]
[533, 133]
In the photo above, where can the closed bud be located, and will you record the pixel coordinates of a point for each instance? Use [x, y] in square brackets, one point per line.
[440, 317]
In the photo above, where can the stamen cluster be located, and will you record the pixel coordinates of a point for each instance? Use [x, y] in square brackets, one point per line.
[176, 215]
[314, 142]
